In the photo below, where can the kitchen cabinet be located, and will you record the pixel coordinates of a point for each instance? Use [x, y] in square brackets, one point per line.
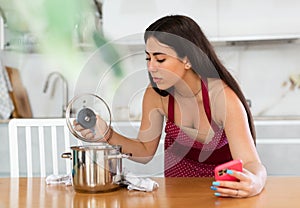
[127, 20]
[258, 18]
[278, 144]
[230, 20]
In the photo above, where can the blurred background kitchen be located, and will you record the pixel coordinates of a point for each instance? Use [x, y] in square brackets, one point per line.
[52, 50]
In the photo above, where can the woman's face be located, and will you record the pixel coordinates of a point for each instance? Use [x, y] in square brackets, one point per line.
[163, 64]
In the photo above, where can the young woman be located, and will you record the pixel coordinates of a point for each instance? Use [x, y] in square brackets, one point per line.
[208, 119]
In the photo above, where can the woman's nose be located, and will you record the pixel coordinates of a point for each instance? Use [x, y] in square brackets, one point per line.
[151, 66]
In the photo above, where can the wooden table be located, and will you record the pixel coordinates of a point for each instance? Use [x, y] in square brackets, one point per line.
[173, 192]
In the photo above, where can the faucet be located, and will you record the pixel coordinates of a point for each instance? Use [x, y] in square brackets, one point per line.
[65, 88]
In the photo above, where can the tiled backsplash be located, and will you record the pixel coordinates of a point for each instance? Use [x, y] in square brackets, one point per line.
[263, 71]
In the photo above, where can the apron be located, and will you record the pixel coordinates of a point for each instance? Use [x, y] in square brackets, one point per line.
[186, 157]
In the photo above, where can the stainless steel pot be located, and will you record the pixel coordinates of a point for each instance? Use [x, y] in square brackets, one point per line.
[96, 168]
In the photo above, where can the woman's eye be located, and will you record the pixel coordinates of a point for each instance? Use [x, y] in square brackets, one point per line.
[160, 60]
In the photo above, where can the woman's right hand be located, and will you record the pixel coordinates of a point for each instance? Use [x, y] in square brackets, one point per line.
[96, 133]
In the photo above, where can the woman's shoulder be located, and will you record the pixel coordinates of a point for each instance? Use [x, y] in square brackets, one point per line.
[216, 86]
[222, 99]
[153, 100]
[218, 89]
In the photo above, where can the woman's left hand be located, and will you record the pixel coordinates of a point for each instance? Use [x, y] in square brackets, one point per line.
[246, 186]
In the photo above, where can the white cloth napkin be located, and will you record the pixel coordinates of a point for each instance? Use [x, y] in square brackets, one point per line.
[131, 181]
[59, 179]
[6, 105]
[138, 183]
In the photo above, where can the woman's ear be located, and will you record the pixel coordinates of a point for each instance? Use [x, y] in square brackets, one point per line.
[187, 63]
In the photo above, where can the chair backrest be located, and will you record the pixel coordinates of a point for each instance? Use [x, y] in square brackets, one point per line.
[42, 141]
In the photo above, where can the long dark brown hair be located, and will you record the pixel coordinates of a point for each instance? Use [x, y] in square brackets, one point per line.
[185, 36]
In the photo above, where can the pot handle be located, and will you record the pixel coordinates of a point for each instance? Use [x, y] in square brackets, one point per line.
[119, 156]
[67, 155]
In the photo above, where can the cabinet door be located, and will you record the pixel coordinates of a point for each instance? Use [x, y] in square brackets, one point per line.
[126, 18]
[259, 18]
[282, 158]
[278, 144]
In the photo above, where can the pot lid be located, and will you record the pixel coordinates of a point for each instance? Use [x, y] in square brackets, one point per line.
[87, 109]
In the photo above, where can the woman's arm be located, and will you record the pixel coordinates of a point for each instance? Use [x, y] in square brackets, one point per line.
[144, 146]
[235, 122]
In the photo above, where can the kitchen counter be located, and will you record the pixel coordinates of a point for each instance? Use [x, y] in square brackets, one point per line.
[173, 192]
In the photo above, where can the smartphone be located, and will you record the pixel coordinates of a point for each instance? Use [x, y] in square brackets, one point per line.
[220, 170]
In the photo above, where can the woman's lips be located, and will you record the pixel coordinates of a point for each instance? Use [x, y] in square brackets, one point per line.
[156, 79]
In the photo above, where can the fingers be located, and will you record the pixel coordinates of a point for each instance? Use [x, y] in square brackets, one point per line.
[241, 176]
[102, 125]
[226, 188]
[226, 192]
[91, 134]
[77, 126]
[235, 189]
[233, 193]
[86, 133]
